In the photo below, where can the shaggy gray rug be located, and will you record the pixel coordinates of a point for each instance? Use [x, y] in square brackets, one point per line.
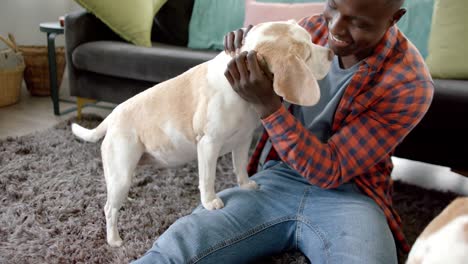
[52, 193]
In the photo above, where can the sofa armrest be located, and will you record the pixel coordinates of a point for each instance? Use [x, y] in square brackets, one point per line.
[82, 27]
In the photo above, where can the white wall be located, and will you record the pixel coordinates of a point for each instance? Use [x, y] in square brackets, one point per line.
[22, 18]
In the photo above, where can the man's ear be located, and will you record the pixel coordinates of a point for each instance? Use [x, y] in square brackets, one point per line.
[294, 81]
[398, 15]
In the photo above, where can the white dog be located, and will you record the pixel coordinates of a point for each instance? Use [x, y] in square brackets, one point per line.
[197, 114]
[445, 239]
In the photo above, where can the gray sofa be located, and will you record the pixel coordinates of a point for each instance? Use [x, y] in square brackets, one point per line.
[104, 67]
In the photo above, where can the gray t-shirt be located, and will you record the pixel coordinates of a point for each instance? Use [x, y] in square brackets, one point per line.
[318, 118]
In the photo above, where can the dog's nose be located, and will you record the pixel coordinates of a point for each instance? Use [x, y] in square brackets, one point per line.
[330, 54]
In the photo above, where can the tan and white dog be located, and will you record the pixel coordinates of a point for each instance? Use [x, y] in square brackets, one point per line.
[198, 115]
[445, 239]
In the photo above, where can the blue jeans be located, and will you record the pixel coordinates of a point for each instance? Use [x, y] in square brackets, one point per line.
[340, 225]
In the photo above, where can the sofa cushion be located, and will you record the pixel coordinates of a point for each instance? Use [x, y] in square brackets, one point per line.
[171, 23]
[257, 12]
[132, 20]
[447, 42]
[212, 19]
[124, 60]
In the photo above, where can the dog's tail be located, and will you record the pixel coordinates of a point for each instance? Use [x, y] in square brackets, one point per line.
[91, 135]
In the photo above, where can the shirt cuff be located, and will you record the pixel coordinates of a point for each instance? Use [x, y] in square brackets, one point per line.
[280, 123]
[275, 115]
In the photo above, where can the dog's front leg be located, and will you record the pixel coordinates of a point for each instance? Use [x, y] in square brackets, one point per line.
[208, 152]
[240, 156]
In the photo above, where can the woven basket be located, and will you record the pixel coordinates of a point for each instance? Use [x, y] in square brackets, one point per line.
[11, 77]
[36, 74]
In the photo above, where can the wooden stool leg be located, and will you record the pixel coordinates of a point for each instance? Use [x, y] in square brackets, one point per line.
[80, 102]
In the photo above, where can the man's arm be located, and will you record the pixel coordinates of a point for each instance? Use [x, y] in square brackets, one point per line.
[356, 147]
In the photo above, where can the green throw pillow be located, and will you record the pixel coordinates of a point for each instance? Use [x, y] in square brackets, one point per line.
[131, 19]
[212, 19]
[447, 57]
[416, 23]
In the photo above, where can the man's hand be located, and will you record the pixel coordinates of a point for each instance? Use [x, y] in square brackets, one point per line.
[234, 40]
[253, 82]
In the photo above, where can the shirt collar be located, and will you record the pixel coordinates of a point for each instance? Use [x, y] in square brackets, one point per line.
[383, 49]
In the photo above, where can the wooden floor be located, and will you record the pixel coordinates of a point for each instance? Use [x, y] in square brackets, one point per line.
[33, 114]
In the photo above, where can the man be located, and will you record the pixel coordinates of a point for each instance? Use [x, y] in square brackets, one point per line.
[325, 186]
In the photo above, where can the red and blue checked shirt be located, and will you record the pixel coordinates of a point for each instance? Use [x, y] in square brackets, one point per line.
[385, 99]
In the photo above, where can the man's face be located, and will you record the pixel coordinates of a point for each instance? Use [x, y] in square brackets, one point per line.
[356, 26]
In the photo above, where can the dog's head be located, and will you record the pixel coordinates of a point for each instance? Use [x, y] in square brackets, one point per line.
[294, 60]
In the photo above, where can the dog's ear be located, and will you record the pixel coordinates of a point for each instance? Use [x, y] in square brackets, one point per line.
[294, 81]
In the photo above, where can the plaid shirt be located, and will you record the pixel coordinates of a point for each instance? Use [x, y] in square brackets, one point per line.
[385, 99]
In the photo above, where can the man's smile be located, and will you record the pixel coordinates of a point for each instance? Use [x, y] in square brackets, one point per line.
[337, 42]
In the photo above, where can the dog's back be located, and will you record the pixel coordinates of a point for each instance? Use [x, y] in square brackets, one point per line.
[445, 239]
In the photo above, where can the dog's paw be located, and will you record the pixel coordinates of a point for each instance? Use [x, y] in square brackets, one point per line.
[249, 185]
[116, 242]
[214, 204]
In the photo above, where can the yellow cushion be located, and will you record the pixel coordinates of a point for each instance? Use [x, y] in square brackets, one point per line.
[131, 19]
